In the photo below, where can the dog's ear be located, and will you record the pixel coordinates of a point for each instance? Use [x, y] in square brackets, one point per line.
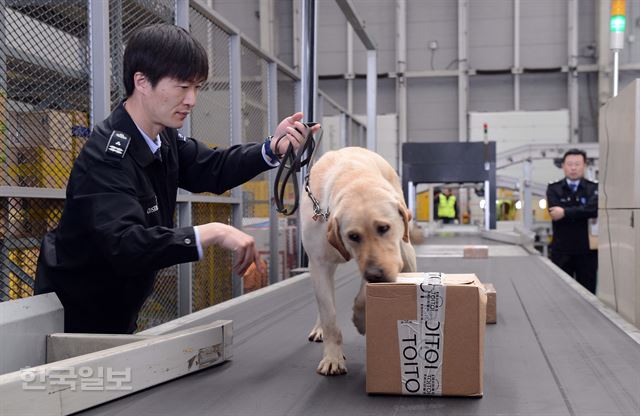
[406, 218]
[333, 235]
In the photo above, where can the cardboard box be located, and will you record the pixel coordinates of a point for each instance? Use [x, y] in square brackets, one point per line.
[476, 252]
[425, 335]
[491, 303]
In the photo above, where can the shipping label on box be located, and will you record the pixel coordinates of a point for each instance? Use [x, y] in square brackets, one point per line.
[425, 335]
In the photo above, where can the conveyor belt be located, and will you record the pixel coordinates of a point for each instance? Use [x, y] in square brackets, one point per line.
[551, 353]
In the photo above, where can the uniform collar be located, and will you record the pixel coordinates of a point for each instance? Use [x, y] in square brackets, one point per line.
[569, 182]
[138, 148]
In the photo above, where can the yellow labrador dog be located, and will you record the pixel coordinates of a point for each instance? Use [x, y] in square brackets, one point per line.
[368, 221]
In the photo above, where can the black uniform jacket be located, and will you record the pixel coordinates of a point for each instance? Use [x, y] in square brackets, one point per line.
[116, 229]
[570, 234]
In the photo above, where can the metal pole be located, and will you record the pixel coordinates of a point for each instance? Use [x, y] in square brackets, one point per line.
[487, 205]
[185, 219]
[117, 45]
[432, 215]
[235, 91]
[572, 73]
[349, 68]
[343, 130]
[297, 48]
[401, 80]
[602, 23]
[309, 87]
[616, 54]
[324, 145]
[372, 94]
[272, 120]
[309, 90]
[463, 76]
[99, 60]
[266, 10]
[516, 54]
[411, 197]
[526, 195]
[4, 252]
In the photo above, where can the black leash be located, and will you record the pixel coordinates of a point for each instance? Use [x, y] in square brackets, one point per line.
[290, 165]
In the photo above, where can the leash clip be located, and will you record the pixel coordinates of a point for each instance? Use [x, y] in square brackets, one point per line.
[318, 214]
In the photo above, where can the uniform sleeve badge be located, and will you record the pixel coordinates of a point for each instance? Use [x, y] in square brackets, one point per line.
[118, 144]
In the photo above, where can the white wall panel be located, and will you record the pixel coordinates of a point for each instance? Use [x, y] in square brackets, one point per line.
[432, 20]
[432, 110]
[491, 93]
[543, 33]
[543, 91]
[490, 34]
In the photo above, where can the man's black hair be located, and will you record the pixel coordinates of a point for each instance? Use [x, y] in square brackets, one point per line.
[575, 152]
[163, 50]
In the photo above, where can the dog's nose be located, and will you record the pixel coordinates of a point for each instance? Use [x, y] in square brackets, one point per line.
[374, 274]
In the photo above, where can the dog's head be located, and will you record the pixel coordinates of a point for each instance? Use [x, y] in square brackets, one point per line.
[371, 231]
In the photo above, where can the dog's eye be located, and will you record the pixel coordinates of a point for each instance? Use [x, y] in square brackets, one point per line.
[383, 229]
[355, 237]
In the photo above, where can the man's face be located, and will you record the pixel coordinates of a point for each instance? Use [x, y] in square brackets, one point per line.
[170, 101]
[573, 167]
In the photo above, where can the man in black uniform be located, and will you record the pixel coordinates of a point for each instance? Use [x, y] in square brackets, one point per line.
[572, 201]
[116, 229]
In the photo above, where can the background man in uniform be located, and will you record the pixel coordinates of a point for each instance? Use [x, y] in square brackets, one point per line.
[572, 201]
[117, 229]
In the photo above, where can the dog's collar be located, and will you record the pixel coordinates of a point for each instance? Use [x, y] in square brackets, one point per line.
[318, 214]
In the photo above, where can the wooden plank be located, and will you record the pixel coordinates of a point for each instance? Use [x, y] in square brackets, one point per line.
[75, 384]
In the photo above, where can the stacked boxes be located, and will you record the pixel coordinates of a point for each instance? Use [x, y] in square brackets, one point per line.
[44, 147]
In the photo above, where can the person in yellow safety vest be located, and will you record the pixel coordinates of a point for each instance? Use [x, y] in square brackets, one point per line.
[447, 206]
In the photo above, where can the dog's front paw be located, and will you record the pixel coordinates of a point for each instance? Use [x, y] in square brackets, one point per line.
[332, 366]
[316, 334]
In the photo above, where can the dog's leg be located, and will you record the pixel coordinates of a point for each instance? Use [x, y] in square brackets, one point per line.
[316, 333]
[359, 308]
[333, 361]
[408, 254]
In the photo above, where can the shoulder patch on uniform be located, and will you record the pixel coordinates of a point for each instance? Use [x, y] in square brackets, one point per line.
[118, 144]
[181, 137]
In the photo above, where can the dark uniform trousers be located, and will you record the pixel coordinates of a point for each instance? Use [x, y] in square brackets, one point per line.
[570, 246]
[582, 267]
[117, 229]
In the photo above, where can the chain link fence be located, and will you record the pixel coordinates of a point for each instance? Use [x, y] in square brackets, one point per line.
[254, 109]
[212, 275]
[45, 113]
[211, 124]
[125, 16]
[44, 121]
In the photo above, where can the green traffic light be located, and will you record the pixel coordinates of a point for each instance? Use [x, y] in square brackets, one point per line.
[618, 23]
